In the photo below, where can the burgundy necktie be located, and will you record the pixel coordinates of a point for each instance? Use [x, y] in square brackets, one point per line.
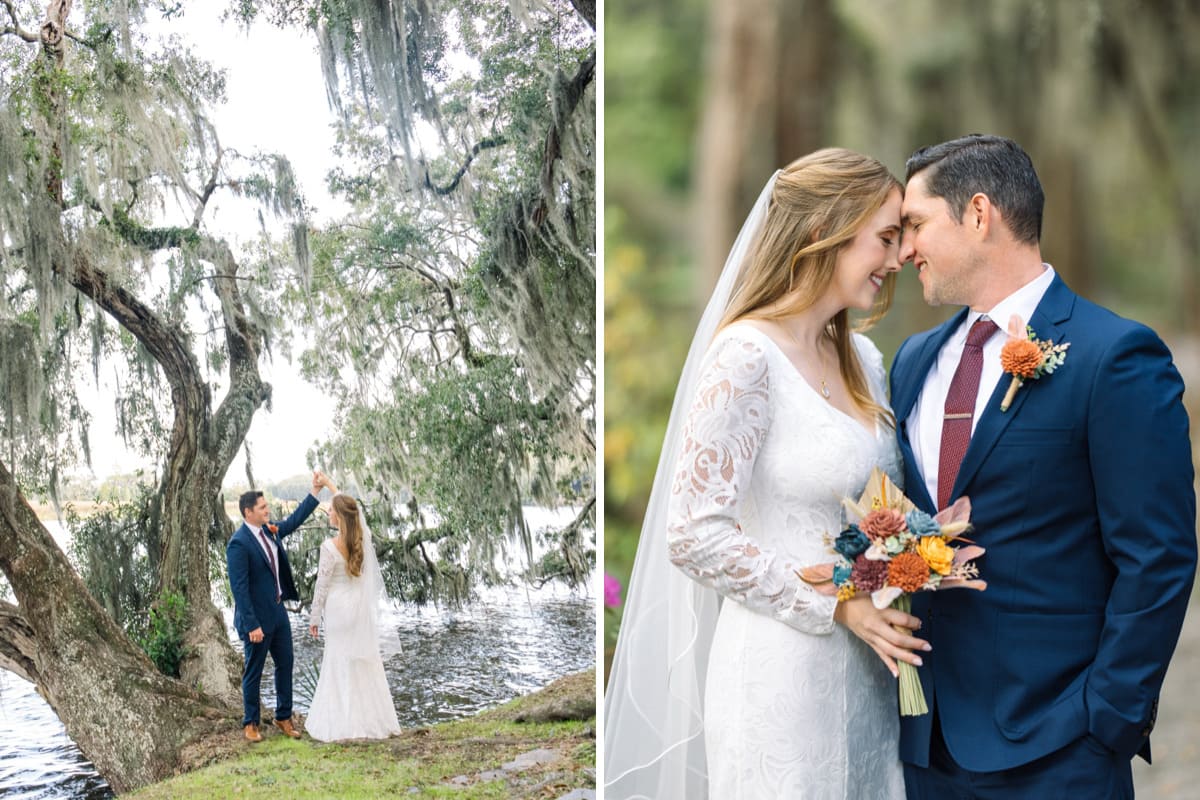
[271, 552]
[960, 408]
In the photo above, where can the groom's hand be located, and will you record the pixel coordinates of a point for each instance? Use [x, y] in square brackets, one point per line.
[318, 481]
[256, 635]
[312, 631]
[887, 631]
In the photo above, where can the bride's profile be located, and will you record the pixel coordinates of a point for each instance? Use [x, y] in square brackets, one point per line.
[352, 699]
[733, 678]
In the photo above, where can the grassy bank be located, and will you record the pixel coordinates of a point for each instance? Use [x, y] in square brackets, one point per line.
[462, 759]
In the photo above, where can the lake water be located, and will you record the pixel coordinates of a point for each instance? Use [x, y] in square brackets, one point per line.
[441, 664]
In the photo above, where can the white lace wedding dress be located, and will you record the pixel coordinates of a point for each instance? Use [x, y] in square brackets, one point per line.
[795, 705]
[352, 700]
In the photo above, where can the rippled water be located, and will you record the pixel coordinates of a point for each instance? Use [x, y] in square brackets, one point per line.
[441, 664]
[37, 759]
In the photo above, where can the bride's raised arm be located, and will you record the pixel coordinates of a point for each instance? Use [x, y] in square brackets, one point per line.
[725, 430]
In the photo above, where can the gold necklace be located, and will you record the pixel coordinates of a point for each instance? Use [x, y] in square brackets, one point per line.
[824, 385]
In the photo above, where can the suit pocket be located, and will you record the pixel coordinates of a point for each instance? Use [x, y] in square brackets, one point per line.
[1041, 661]
[1025, 436]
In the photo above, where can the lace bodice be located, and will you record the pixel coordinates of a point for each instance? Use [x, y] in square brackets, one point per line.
[747, 464]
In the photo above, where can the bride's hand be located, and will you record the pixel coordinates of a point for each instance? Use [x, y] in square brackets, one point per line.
[887, 631]
[312, 631]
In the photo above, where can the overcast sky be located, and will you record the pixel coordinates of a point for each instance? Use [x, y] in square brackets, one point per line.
[276, 103]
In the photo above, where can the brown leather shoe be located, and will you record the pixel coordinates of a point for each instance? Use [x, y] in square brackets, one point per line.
[252, 733]
[285, 725]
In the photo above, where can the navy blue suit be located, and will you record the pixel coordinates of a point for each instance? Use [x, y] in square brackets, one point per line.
[255, 606]
[1082, 493]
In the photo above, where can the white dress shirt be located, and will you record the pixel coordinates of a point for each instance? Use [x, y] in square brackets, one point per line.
[264, 543]
[925, 419]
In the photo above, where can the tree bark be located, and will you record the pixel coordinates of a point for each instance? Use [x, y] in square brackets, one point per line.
[130, 720]
[770, 86]
[587, 10]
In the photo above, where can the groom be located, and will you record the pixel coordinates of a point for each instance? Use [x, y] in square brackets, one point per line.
[1047, 683]
[261, 579]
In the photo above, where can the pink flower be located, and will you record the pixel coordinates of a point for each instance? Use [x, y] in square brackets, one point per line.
[882, 523]
[612, 591]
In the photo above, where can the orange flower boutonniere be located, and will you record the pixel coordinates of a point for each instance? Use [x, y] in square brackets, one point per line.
[1027, 358]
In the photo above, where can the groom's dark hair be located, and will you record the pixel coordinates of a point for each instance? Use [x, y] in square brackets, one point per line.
[248, 500]
[993, 165]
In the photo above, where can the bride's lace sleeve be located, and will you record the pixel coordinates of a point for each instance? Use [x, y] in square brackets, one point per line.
[321, 590]
[725, 430]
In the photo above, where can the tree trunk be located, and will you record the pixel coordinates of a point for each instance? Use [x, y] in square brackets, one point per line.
[201, 448]
[770, 85]
[202, 444]
[131, 721]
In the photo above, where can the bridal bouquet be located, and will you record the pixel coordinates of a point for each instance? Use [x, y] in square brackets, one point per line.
[892, 549]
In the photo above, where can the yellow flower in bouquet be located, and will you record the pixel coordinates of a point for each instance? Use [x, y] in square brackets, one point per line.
[937, 554]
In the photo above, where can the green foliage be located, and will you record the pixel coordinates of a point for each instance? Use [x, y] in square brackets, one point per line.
[114, 549]
[165, 629]
[455, 305]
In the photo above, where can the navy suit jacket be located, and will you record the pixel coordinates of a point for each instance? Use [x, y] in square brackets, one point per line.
[251, 578]
[1082, 493]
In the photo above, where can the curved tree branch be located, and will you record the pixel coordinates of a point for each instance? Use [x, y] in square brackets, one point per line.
[208, 190]
[483, 144]
[15, 28]
[243, 339]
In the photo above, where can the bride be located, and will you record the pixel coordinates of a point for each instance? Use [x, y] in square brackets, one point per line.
[732, 678]
[352, 700]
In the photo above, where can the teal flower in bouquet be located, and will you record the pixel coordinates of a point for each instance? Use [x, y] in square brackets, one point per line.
[851, 543]
[921, 524]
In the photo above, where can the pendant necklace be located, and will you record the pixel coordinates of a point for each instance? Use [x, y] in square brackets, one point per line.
[824, 385]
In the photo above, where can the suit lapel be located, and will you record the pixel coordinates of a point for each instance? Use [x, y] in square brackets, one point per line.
[1055, 307]
[912, 378]
[908, 389]
[256, 545]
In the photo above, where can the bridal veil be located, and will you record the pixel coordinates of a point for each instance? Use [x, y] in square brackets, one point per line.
[653, 715]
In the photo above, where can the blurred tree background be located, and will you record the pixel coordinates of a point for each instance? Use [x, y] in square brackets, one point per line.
[704, 99]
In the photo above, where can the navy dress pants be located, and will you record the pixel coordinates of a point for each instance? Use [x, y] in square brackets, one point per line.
[279, 644]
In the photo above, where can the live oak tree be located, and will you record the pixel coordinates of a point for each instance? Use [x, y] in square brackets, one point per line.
[108, 165]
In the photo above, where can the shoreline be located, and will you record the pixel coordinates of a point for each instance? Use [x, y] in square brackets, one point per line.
[540, 745]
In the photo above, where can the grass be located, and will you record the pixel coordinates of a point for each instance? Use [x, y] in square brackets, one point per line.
[443, 760]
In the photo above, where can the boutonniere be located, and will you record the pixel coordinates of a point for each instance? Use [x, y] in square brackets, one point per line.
[274, 529]
[1027, 358]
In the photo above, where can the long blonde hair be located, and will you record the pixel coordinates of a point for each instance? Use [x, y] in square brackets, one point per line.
[818, 205]
[347, 514]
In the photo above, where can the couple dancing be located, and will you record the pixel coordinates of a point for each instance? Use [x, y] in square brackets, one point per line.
[352, 700]
[734, 679]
